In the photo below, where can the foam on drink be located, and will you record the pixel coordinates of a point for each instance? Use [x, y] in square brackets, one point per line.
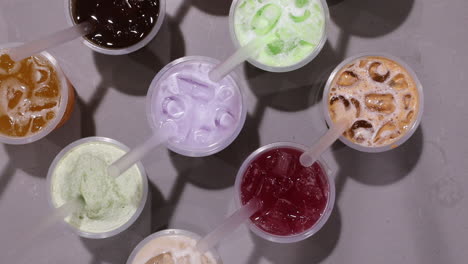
[382, 96]
[29, 95]
[172, 249]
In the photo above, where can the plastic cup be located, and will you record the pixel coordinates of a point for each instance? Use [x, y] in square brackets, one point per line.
[120, 51]
[320, 222]
[151, 98]
[141, 205]
[67, 103]
[409, 132]
[293, 67]
[169, 232]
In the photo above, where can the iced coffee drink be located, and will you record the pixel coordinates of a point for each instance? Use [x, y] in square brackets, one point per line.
[381, 94]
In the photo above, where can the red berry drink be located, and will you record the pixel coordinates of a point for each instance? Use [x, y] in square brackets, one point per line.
[296, 200]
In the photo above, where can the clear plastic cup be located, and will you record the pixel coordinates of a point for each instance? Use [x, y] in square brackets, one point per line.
[169, 232]
[153, 91]
[300, 64]
[144, 179]
[120, 51]
[330, 173]
[67, 103]
[410, 131]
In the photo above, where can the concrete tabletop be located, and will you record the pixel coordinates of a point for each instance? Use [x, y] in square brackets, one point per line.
[407, 205]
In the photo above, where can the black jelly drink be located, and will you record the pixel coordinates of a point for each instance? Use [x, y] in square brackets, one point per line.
[293, 197]
[118, 23]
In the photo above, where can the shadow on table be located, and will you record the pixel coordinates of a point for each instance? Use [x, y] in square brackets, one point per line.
[292, 91]
[378, 168]
[132, 73]
[216, 8]
[333, 2]
[367, 18]
[312, 250]
[212, 173]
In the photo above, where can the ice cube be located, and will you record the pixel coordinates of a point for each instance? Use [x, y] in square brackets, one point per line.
[398, 82]
[46, 91]
[173, 106]
[405, 124]
[378, 72]
[275, 222]
[383, 103]
[254, 183]
[407, 101]
[363, 63]
[14, 97]
[308, 188]
[22, 126]
[266, 19]
[50, 115]
[197, 89]
[270, 160]
[339, 105]
[360, 130]
[224, 118]
[41, 105]
[37, 124]
[347, 78]
[357, 106]
[224, 93]
[41, 75]
[388, 131]
[283, 163]
[11, 67]
[341, 98]
[202, 135]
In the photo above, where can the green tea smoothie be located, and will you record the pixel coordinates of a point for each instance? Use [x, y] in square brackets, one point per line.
[107, 203]
[293, 29]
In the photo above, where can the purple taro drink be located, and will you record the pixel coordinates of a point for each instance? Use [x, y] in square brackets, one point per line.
[204, 116]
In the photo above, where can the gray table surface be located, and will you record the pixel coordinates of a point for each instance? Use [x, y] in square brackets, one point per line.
[404, 206]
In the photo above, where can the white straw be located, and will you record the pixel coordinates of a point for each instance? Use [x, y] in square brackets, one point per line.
[228, 226]
[133, 156]
[241, 55]
[308, 158]
[36, 46]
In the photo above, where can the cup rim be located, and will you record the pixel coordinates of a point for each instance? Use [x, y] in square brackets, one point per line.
[64, 96]
[167, 232]
[152, 91]
[300, 64]
[415, 124]
[329, 173]
[120, 51]
[144, 180]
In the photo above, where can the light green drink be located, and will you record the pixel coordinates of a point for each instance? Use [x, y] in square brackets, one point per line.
[108, 204]
[294, 30]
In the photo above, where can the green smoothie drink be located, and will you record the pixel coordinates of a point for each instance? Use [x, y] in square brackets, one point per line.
[294, 31]
[108, 205]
